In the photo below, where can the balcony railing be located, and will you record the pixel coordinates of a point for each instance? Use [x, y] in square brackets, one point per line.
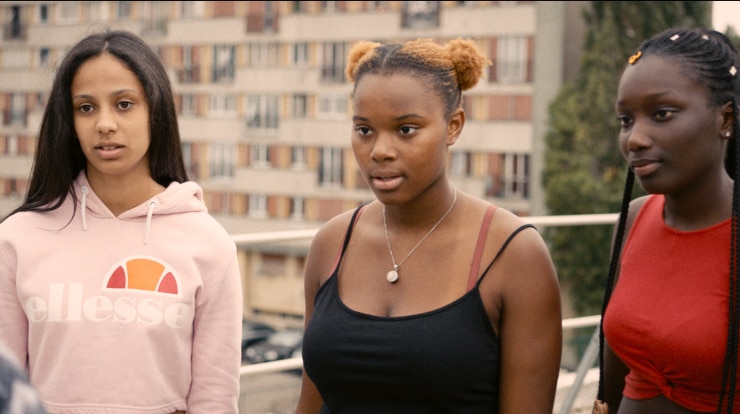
[569, 384]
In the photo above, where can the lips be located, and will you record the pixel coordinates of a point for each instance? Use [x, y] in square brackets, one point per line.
[642, 167]
[386, 181]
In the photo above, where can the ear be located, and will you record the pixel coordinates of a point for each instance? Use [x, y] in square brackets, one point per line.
[727, 120]
[455, 126]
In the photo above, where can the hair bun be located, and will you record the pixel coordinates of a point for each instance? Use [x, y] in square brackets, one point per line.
[468, 61]
[360, 52]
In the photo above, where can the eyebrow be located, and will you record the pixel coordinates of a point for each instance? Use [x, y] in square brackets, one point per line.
[398, 118]
[114, 93]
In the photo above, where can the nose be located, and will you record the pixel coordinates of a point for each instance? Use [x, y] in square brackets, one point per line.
[383, 148]
[106, 122]
[637, 138]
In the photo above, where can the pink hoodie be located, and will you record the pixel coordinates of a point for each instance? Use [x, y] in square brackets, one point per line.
[139, 313]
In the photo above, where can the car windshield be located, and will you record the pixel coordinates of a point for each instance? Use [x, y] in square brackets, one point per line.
[285, 338]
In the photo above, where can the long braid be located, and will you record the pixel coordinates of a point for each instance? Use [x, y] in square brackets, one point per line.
[613, 264]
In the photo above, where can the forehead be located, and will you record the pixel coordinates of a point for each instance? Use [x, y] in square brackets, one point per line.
[657, 76]
[397, 91]
[105, 70]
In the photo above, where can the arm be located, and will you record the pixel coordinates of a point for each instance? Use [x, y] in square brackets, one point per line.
[13, 321]
[530, 328]
[319, 264]
[614, 372]
[216, 357]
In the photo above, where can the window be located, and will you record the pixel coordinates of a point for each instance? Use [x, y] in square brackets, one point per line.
[188, 105]
[190, 73]
[43, 13]
[333, 106]
[298, 158]
[221, 157]
[296, 208]
[263, 54]
[17, 109]
[222, 105]
[123, 10]
[223, 63]
[257, 206]
[16, 28]
[300, 105]
[330, 167]
[191, 9]
[334, 56]
[420, 14]
[44, 57]
[12, 145]
[511, 60]
[259, 156]
[68, 12]
[187, 157]
[262, 113]
[299, 57]
[516, 175]
[459, 163]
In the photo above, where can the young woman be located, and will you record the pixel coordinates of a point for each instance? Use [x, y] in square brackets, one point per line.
[674, 268]
[426, 299]
[117, 289]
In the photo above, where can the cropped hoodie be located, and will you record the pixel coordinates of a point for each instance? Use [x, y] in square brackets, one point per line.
[139, 313]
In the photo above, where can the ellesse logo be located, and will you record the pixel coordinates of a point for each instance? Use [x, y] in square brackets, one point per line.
[143, 273]
[143, 286]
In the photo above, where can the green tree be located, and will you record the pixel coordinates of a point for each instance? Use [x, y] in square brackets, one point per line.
[584, 171]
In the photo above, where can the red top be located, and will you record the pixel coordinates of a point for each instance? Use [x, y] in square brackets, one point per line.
[667, 317]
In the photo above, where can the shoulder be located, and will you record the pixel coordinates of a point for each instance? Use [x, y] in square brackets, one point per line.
[326, 246]
[333, 231]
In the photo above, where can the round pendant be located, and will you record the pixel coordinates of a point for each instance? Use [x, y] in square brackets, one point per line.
[392, 276]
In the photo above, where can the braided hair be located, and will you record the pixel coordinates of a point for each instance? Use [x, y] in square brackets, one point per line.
[451, 69]
[709, 58]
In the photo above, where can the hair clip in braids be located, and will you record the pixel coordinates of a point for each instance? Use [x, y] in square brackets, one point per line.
[733, 70]
[634, 58]
[705, 37]
[675, 37]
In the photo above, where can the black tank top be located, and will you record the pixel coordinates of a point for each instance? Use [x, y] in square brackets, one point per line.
[441, 361]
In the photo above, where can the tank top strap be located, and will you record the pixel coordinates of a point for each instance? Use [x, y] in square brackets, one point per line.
[482, 236]
[503, 247]
[355, 217]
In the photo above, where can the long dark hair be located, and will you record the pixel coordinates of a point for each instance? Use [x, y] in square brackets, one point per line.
[59, 158]
[708, 57]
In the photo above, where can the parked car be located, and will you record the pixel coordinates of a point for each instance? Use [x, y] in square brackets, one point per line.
[280, 345]
[253, 332]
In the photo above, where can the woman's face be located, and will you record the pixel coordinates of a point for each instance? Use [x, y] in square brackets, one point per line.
[671, 135]
[400, 135]
[111, 119]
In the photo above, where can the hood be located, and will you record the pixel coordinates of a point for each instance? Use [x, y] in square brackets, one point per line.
[177, 198]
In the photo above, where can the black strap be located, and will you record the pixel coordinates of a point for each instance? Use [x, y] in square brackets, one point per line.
[503, 246]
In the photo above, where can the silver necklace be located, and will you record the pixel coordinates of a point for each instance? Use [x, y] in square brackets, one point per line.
[392, 276]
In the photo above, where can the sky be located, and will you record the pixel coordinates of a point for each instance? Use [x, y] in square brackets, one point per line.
[726, 13]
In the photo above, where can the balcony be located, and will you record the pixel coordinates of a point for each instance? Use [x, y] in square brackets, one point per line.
[274, 387]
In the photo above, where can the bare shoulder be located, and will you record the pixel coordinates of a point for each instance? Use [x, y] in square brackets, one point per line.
[326, 246]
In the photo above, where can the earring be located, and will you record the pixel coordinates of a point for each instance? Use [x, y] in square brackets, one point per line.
[727, 134]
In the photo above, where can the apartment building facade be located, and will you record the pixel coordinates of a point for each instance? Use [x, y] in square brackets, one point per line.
[264, 106]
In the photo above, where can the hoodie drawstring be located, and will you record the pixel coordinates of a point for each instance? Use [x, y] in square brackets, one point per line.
[152, 204]
[84, 208]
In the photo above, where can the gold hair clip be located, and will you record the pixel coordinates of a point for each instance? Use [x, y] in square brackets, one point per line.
[675, 37]
[635, 57]
[733, 70]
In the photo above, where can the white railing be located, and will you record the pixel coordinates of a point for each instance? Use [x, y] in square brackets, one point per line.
[573, 383]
